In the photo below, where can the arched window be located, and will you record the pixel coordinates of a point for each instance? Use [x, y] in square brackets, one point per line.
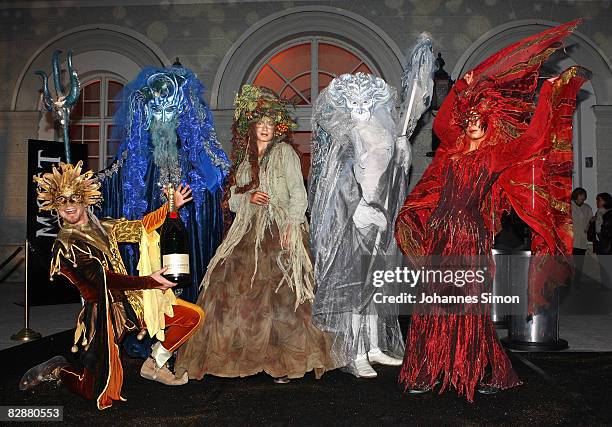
[589, 140]
[298, 72]
[92, 119]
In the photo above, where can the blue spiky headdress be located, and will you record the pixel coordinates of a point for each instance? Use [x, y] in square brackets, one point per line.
[202, 161]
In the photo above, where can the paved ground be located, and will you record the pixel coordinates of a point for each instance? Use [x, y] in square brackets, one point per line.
[558, 389]
[568, 387]
[46, 319]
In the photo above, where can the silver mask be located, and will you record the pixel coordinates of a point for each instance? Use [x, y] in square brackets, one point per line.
[360, 94]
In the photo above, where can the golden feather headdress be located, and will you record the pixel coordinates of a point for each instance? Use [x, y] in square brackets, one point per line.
[67, 184]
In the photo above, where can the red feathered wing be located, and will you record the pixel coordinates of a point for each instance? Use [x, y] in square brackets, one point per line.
[540, 190]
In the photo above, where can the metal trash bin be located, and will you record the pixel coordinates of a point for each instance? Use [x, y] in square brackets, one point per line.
[501, 284]
[531, 333]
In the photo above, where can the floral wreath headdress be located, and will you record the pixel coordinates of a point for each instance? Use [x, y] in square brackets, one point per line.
[254, 104]
[67, 185]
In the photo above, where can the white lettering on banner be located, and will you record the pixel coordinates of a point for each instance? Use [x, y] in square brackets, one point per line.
[46, 159]
[47, 229]
[176, 263]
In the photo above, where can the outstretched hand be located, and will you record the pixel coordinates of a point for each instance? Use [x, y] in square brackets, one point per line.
[182, 195]
[164, 284]
[403, 155]
[469, 77]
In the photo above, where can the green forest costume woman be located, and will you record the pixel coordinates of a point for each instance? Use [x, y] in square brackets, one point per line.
[259, 285]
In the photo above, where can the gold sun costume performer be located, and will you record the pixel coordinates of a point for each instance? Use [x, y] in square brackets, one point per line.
[86, 252]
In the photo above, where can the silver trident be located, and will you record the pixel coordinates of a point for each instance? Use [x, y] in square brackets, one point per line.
[63, 103]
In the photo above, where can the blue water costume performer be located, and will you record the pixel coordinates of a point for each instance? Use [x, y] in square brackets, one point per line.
[167, 136]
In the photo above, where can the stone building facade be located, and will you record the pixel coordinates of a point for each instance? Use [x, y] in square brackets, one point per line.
[232, 42]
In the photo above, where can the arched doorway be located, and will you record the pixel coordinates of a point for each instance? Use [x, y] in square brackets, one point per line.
[323, 41]
[300, 69]
[105, 57]
[593, 117]
[103, 47]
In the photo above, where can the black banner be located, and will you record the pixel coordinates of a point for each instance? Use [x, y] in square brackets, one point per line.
[42, 226]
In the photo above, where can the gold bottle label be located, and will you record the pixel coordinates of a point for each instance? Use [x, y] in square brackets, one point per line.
[176, 263]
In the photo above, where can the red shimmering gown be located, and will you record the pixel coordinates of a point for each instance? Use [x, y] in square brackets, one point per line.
[525, 161]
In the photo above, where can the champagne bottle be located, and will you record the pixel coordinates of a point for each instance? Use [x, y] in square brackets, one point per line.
[173, 245]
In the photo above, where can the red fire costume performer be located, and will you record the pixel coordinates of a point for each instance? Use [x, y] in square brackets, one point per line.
[497, 150]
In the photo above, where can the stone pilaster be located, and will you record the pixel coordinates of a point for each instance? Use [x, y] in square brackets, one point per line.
[603, 134]
[15, 130]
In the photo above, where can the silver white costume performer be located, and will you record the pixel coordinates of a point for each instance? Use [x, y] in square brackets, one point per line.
[359, 180]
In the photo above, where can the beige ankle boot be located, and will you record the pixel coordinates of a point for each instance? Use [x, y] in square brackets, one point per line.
[151, 371]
